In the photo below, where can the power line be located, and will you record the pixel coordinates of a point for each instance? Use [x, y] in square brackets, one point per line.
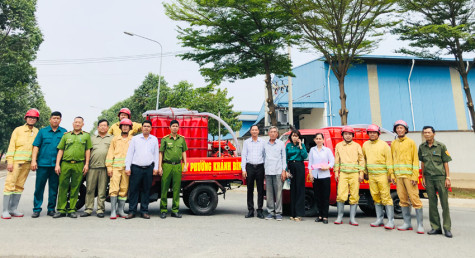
[96, 60]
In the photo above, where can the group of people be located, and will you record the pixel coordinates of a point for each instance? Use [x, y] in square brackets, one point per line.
[375, 161]
[129, 162]
[114, 155]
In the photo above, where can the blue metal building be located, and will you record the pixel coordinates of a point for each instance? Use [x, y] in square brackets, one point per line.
[380, 90]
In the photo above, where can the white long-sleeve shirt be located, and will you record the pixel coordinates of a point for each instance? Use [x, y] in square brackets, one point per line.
[318, 158]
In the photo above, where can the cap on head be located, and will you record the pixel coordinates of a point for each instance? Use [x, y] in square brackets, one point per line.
[126, 121]
[373, 128]
[32, 113]
[400, 122]
[348, 129]
[126, 111]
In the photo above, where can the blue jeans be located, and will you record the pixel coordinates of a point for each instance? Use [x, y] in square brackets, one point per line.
[43, 175]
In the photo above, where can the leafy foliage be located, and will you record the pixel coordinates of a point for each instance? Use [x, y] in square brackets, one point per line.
[233, 40]
[20, 39]
[341, 30]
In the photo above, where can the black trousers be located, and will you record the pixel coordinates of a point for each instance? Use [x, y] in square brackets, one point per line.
[139, 184]
[255, 173]
[321, 189]
[297, 188]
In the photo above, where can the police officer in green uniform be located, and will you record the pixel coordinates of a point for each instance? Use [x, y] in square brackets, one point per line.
[172, 152]
[74, 151]
[434, 159]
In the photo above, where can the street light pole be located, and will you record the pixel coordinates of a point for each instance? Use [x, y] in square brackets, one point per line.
[161, 52]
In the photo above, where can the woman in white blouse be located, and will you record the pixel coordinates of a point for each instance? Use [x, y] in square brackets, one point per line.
[320, 161]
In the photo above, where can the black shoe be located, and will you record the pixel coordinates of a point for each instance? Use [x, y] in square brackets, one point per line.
[145, 215]
[176, 215]
[59, 215]
[50, 213]
[73, 215]
[325, 221]
[448, 234]
[163, 215]
[260, 214]
[85, 214]
[250, 214]
[435, 232]
[100, 215]
[318, 219]
[35, 215]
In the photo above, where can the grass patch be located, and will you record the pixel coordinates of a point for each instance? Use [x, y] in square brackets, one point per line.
[462, 193]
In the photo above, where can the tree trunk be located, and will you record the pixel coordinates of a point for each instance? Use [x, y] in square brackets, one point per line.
[270, 100]
[343, 111]
[469, 98]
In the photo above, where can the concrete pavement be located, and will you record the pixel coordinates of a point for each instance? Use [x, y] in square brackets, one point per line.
[224, 234]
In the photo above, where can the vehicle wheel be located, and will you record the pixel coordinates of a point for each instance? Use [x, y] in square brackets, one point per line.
[311, 209]
[203, 200]
[368, 206]
[186, 198]
[81, 197]
[397, 207]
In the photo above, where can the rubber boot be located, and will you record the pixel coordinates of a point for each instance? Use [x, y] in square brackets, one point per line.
[352, 215]
[120, 209]
[406, 215]
[113, 207]
[379, 216]
[390, 214]
[420, 226]
[340, 208]
[6, 205]
[14, 201]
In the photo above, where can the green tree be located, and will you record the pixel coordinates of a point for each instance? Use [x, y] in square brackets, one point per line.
[143, 99]
[209, 99]
[182, 95]
[233, 40]
[441, 27]
[341, 30]
[20, 38]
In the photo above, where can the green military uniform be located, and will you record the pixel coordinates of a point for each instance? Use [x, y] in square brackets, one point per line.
[172, 150]
[72, 164]
[434, 158]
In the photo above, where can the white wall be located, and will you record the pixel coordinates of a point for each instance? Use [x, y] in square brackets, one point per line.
[460, 146]
[316, 119]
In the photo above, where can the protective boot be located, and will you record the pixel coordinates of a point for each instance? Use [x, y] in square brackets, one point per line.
[14, 201]
[379, 216]
[120, 209]
[352, 215]
[340, 208]
[6, 205]
[420, 226]
[113, 207]
[406, 215]
[390, 214]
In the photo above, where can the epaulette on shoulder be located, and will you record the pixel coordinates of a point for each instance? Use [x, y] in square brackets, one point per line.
[181, 135]
[166, 136]
[68, 132]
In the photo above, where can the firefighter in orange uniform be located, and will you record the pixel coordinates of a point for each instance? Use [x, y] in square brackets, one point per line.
[379, 166]
[406, 169]
[115, 163]
[349, 167]
[18, 160]
[115, 128]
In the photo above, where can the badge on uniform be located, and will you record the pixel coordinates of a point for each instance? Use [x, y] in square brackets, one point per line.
[447, 152]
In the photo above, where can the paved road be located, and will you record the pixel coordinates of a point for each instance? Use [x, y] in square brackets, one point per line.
[224, 234]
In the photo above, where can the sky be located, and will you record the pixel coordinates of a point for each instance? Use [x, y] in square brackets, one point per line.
[94, 29]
